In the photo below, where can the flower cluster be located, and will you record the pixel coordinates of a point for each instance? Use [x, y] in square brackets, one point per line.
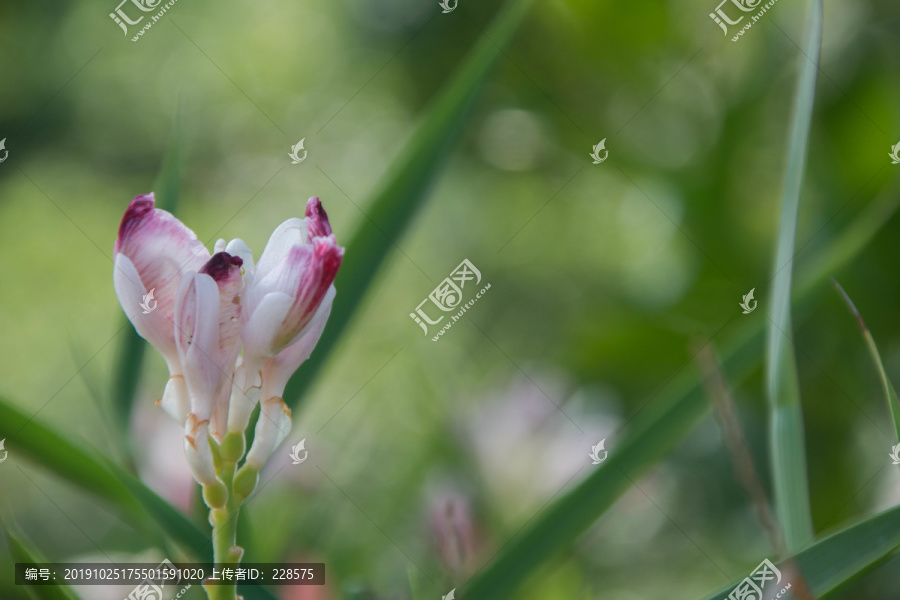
[210, 307]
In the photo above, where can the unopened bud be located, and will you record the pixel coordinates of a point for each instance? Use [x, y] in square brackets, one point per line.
[197, 451]
[232, 448]
[175, 400]
[245, 481]
[215, 495]
[272, 427]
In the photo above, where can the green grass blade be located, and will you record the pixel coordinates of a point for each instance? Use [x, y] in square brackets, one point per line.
[97, 476]
[23, 552]
[105, 479]
[406, 184]
[837, 559]
[890, 394]
[127, 372]
[782, 387]
[657, 429]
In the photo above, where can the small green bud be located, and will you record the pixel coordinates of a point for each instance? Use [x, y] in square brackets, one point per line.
[233, 446]
[245, 481]
[216, 453]
[215, 495]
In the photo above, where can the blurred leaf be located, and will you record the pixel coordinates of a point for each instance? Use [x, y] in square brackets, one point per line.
[406, 184]
[23, 552]
[659, 426]
[97, 476]
[890, 395]
[791, 488]
[835, 560]
[104, 478]
[127, 372]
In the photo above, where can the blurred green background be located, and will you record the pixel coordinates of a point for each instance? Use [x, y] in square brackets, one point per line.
[603, 277]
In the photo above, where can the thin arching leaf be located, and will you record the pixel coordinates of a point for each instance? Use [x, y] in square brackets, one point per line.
[405, 187]
[782, 386]
[837, 559]
[890, 394]
[23, 551]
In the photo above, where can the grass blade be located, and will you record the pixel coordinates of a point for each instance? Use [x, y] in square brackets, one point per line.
[890, 394]
[656, 430]
[406, 184]
[835, 560]
[782, 387]
[23, 552]
[111, 482]
[97, 476]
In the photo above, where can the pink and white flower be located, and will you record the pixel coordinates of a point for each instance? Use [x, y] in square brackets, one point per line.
[286, 303]
[209, 307]
[151, 254]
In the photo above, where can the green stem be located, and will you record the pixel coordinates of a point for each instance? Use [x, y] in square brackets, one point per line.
[226, 552]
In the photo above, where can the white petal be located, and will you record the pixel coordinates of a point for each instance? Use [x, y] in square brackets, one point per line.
[154, 326]
[278, 370]
[287, 235]
[175, 400]
[244, 396]
[237, 247]
[273, 426]
[197, 451]
[197, 338]
[262, 326]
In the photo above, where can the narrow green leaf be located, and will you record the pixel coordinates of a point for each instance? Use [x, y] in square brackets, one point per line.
[105, 479]
[890, 394]
[23, 552]
[167, 187]
[164, 515]
[835, 560]
[782, 387]
[96, 475]
[662, 424]
[406, 184]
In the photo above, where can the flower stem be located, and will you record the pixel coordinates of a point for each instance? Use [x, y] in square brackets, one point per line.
[226, 552]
